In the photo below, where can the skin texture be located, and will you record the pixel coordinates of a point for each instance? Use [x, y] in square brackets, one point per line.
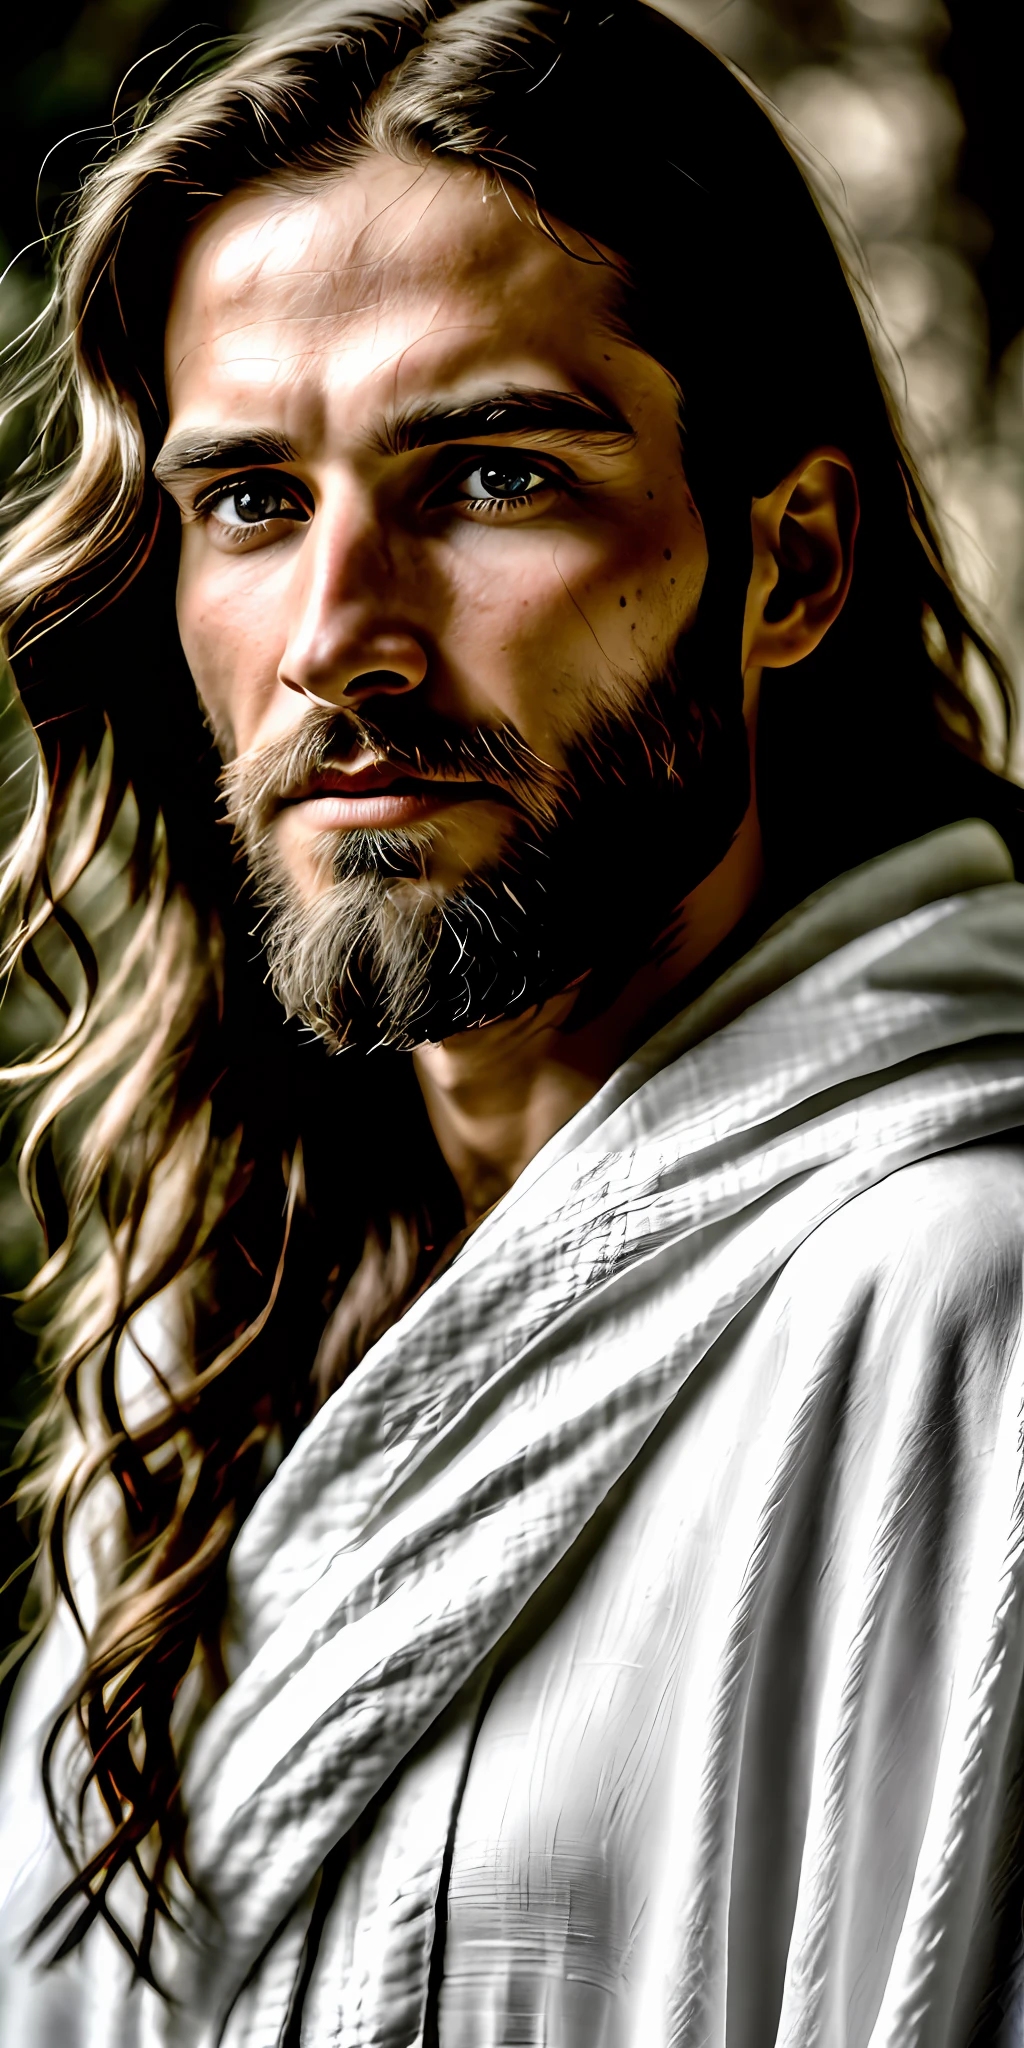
[324, 319]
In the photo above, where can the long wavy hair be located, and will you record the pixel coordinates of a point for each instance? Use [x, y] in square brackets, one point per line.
[230, 1219]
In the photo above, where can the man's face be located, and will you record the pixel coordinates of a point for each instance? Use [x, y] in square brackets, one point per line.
[438, 564]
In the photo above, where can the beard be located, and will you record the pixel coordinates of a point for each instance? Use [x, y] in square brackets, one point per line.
[587, 887]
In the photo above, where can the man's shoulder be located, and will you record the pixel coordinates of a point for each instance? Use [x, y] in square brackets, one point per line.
[947, 1232]
[972, 1195]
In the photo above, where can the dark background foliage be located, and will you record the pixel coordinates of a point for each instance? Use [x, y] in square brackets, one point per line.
[914, 104]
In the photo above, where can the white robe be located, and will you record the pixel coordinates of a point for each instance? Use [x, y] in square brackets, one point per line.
[645, 1613]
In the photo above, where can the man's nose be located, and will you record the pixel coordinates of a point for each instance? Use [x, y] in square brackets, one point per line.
[349, 637]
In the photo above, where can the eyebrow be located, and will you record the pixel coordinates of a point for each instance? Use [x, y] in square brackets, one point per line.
[187, 452]
[514, 411]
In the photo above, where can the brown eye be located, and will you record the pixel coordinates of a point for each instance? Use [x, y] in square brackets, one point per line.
[254, 501]
[502, 480]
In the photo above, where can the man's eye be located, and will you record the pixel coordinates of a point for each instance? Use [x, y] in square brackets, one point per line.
[252, 501]
[502, 483]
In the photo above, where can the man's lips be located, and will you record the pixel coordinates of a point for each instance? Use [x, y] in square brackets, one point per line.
[379, 794]
[368, 780]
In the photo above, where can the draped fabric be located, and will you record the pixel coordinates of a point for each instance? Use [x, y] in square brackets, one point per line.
[723, 1398]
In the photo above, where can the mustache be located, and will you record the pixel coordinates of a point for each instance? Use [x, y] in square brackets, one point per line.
[420, 742]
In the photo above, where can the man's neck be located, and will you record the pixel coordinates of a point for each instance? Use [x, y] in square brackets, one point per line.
[496, 1095]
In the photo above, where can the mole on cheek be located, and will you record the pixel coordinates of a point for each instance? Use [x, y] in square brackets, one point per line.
[622, 602]
[667, 552]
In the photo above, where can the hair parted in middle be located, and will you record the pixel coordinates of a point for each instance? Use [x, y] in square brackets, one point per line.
[272, 1212]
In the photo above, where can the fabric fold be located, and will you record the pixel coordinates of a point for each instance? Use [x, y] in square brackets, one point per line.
[444, 1483]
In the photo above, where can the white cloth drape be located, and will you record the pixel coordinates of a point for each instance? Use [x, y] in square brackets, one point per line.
[700, 1292]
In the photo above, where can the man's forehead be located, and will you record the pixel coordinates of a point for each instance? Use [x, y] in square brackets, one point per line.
[384, 286]
[382, 238]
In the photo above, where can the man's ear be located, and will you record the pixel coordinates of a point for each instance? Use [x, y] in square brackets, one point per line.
[803, 535]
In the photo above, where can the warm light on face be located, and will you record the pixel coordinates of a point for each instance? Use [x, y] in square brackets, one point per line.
[415, 462]
[518, 555]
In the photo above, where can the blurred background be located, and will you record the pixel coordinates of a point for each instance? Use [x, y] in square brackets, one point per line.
[909, 109]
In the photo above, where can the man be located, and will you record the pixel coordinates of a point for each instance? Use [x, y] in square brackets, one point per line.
[628, 1647]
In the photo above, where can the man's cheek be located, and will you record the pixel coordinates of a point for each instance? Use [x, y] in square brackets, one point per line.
[224, 662]
[212, 685]
[196, 628]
